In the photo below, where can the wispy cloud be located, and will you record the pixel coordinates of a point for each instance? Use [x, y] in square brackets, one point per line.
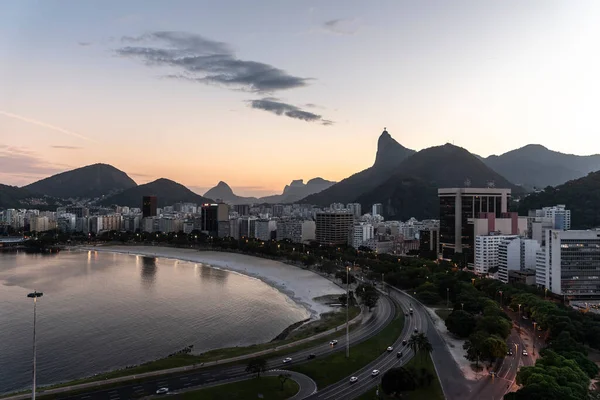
[65, 147]
[18, 162]
[84, 43]
[45, 125]
[275, 106]
[342, 26]
[207, 61]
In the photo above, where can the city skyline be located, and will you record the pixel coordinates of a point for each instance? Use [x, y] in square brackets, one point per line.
[261, 96]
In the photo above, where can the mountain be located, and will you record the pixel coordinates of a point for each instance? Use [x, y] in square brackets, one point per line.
[223, 192]
[581, 196]
[12, 196]
[86, 182]
[412, 190]
[167, 191]
[536, 166]
[390, 154]
[293, 192]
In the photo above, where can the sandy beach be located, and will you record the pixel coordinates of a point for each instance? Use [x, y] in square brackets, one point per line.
[302, 286]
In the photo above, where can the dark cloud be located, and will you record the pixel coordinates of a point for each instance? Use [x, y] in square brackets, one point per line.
[342, 26]
[65, 147]
[277, 107]
[207, 61]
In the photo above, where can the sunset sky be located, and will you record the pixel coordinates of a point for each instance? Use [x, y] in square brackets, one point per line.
[257, 93]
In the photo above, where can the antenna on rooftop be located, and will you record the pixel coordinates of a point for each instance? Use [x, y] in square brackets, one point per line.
[491, 184]
[467, 182]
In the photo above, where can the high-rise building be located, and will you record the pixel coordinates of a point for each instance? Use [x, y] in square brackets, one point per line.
[242, 209]
[429, 240]
[568, 264]
[457, 206]
[355, 209]
[295, 230]
[248, 227]
[278, 210]
[486, 251]
[377, 209]
[212, 214]
[149, 206]
[265, 229]
[516, 254]
[333, 227]
[78, 211]
[560, 216]
[361, 233]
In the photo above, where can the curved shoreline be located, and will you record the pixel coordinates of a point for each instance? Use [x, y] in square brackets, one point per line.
[270, 272]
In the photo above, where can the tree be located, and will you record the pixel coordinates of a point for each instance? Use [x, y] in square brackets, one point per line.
[283, 378]
[420, 344]
[429, 298]
[461, 323]
[473, 346]
[342, 276]
[256, 366]
[493, 347]
[494, 325]
[368, 295]
[398, 380]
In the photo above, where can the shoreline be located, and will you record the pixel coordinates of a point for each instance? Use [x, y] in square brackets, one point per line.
[268, 271]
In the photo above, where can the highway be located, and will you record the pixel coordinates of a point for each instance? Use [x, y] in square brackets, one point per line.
[371, 325]
[346, 390]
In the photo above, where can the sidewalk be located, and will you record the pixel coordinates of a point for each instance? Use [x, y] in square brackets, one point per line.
[41, 391]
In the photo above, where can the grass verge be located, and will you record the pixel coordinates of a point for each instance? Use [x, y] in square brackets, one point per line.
[443, 313]
[432, 392]
[268, 386]
[328, 370]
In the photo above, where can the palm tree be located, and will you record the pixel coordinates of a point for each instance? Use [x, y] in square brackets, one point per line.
[424, 344]
[413, 343]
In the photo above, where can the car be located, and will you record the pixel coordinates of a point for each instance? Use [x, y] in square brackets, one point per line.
[375, 372]
[509, 352]
[524, 352]
[390, 348]
[399, 354]
[404, 343]
[287, 360]
[525, 317]
[163, 390]
[353, 379]
[406, 314]
[311, 356]
[416, 330]
[333, 342]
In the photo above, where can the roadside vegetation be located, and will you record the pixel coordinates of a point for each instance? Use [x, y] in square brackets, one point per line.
[266, 387]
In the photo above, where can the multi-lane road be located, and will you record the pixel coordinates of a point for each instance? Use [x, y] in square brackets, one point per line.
[371, 325]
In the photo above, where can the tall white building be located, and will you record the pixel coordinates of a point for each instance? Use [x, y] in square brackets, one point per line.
[360, 234]
[569, 264]
[558, 214]
[264, 227]
[517, 254]
[377, 209]
[486, 251]
[355, 208]
[297, 231]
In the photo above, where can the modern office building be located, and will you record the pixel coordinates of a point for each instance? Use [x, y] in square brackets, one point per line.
[265, 229]
[333, 227]
[559, 215]
[360, 233]
[516, 254]
[242, 209]
[377, 209]
[149, 206]
[457, 206]
[212, 214]
[296, 230]
[486, 251]
[569, 264]
[429, 240]
[248, 227]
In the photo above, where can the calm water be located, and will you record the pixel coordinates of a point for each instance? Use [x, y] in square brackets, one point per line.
[102, 311]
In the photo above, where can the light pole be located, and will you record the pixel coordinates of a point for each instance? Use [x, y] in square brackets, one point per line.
[534, 334]
[34, 296]
[447, 297]
[347, 308]
[519, 318]
[500, 291]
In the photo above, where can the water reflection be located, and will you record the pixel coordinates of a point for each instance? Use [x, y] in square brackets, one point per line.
[148, 271]
[213, 274]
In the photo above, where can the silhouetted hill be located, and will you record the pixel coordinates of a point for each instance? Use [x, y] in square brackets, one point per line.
[224, 192]
[412, 191]
[86, 182]
[167, 191]
[581, 196]
[536, 166]
[12, 196]
[390, 155]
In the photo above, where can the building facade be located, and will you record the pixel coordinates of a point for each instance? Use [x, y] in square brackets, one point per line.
[149, 206]
[334, 227]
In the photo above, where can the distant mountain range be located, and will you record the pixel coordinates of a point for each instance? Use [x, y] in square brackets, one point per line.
[86, 182]
[536, 166]
[293, 192]
[581, 196]
[167, 191]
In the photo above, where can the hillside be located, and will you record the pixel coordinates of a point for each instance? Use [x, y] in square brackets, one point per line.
[86, 182]
[581, 196]
[412, 191]
[224, 192]
[390, 155]
[12, 196]
[167, 191]
[536, 166]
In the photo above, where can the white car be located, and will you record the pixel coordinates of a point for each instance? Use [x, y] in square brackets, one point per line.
[287, 360]
[333, 342]
[353, 379]
[525, 353]
[390, 348]
[162, 391]
[375, 372]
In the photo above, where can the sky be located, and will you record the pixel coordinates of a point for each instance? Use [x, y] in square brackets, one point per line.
[258, 93]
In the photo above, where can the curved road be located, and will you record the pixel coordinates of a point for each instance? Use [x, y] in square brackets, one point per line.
[381, 316]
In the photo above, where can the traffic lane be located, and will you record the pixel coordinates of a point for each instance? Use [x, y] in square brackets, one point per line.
[374, 323]
[454, 385]
[346, 390]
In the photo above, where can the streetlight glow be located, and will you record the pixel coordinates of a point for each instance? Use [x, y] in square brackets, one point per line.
[34, 296]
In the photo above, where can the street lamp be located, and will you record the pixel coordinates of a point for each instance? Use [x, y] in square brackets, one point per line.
[500, 291]
[347, 308]
[534, 334]
[447, 297]
[34, 296]
[519, 318]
